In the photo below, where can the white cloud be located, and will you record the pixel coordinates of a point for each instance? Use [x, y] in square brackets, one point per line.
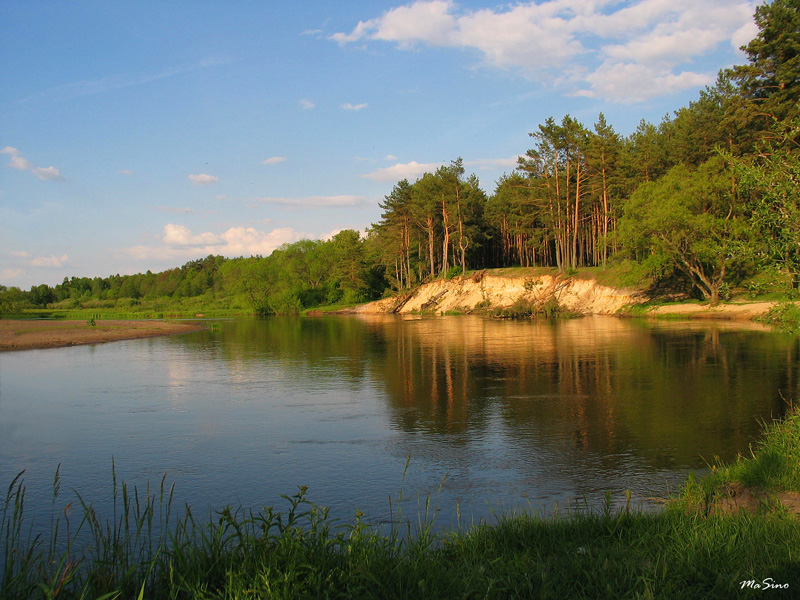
[573, 43]
[390, 157]
[179, 235]
[20, 163]
[743, 35]
[125, 172]
[179, 242]
[325, 237]
[11, 273]
[203, 179]
[419, 22]
[321, 201]
[493, 163]
[19, 254]
[51, 261]
[47, 173]
[348, 106]
[411, 171]
[621, 82]
[307, 104]
[274, 160]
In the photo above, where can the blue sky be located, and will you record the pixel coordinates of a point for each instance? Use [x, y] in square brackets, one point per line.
[142, 135]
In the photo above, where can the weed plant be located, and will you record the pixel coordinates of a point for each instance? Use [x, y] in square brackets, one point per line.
[784, 316]
[145, 550]
[526, 309]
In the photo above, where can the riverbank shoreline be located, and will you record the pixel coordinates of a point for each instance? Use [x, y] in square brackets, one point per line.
[42, 334]
[493, 291]
[23, 334]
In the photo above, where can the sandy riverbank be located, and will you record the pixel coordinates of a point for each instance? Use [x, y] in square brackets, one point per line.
[484, 291]
[29, 335]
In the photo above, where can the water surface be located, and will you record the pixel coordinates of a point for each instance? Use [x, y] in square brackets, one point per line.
[493, 415]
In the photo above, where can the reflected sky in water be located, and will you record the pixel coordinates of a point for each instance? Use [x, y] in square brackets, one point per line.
[493, 414]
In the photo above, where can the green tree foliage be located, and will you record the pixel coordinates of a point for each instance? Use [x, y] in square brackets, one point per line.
[574, 187]
[431, 225]
[13, 300]
[350, 270]
[771, 78]
[603, 156]
[772, 180]
[398, 236]
[689, 220]
[716, 121]
[252, 278]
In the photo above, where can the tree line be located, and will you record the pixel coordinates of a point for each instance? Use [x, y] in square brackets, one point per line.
[708, 196]
[305, 274]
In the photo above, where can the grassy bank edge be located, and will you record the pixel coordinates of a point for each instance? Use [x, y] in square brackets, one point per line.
[686, 550]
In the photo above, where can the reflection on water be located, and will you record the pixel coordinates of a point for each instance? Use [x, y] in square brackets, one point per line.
[493, 414]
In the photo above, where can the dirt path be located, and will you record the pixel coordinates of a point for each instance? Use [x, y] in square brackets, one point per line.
[28, 335]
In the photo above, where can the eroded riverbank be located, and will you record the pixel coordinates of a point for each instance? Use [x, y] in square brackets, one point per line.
[485, 291]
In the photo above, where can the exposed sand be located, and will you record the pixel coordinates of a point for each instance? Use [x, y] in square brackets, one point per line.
[484, 290]
[28, 335]
[738, 310]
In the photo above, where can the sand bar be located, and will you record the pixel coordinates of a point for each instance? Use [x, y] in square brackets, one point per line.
[29, 335]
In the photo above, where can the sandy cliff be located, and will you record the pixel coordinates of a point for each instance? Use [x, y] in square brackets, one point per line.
[483, 290]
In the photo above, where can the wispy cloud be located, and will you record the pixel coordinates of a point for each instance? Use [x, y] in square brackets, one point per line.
[328, 235]
[411, 170]
[20, 163]
[50, 260]
[356, 107]
[8, 274]
[91, 87]
[493, 163]
[178, 241]
[307, 104]
[203, 179]
[125, 172]
[648, 48]
[321, 201]
[175, 209]
[414, 170]
[274, 160]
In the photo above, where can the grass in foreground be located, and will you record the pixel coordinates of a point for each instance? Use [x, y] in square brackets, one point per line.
[687, 550]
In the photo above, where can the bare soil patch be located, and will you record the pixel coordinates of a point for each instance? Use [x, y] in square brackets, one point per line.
[29, 335]
[738, 497]
[745, 310]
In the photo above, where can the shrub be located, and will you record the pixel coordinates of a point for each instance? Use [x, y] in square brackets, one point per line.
[453, 272]
[785, 316]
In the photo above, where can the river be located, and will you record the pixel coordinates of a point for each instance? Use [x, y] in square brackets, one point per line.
[477, 415]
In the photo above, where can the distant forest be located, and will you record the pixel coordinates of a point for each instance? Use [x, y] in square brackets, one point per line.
[708, 198]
